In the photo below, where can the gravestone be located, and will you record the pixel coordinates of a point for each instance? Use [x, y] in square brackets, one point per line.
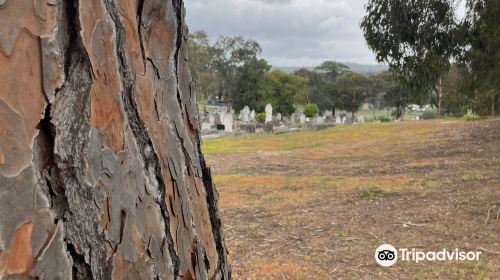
[302, 118]
[211, 119]
[252, 116]
[228, 122]
[205, 126]
[338, 120]
[318, 120]
[278, 117]
[269, 113]
[222, 116]
[245, 115]
[293, 118]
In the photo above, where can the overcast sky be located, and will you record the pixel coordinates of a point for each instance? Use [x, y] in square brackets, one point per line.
[290, 32]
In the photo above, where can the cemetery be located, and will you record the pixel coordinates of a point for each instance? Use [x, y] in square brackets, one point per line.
[225, 122]
[249, 140]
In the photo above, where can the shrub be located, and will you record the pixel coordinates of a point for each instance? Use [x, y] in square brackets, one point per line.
[311, 110]
[428, 115]
[470, 116]
[261, 117]
[384, 119]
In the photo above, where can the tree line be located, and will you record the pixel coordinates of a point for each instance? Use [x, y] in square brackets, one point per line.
[434, 57]
[230, 69]
[437, 55]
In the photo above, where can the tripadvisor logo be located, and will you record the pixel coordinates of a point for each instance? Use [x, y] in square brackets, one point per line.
[387, 255]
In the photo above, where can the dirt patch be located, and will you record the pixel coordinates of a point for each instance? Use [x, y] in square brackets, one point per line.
[320, 211]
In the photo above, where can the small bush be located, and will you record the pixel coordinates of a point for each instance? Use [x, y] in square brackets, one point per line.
[261, 117]
[428, 115]
[311, 110]
[384, 119]
[471, 116]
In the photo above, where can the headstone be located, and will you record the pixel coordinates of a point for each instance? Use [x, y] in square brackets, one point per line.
[222, 115]
[205, 126]
[319, 120]
[245, 115]
[269, 113]
[247, 128]
[228, 122]
[278, 117]
[302, 118]
[361, 119]
[293, 118]
[342, 120]
[338, 120]
[252, 116]
[211, 119]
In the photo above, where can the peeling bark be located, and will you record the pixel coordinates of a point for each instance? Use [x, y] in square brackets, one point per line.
[101, 171]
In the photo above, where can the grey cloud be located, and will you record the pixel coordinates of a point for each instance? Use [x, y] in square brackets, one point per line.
[291, 32]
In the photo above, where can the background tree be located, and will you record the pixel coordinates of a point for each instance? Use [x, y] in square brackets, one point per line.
[396, 96]
[101, 170]
[251, 85]
[282, 89]
[319, 91]
[415, 38]
[331, 70]
[482, 49]
[458, 92]
[380, 84]
[352, 91]
[231, 54]
[201, 56]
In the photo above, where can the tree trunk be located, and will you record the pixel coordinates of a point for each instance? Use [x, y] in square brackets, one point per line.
[439, 97]
[493, 101]
[101, 173]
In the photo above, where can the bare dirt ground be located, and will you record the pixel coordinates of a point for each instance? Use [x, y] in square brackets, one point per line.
[316, 205]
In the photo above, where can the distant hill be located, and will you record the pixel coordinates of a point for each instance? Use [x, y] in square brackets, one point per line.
[359, 68]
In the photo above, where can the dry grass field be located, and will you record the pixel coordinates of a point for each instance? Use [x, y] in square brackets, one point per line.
[316, 205]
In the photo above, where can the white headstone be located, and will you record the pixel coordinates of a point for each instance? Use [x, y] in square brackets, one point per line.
[319, 120]
[338, 120]
[343, 119]
[211, 119]
[205, 126]
[228, 122]
[269, 113]
[293, 118]
[361, 119]
[252, 116]
[245, 115]
[278, 117]
[222, 115]
[302, 118]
